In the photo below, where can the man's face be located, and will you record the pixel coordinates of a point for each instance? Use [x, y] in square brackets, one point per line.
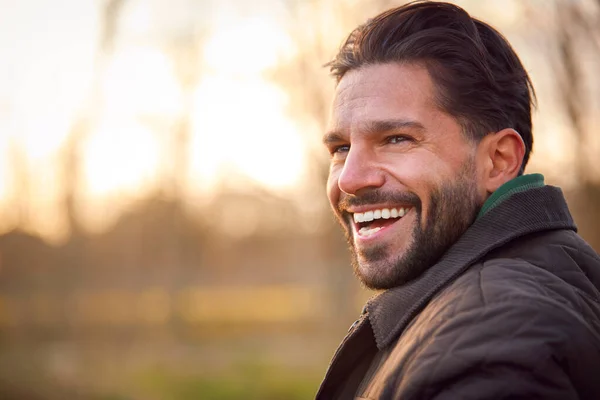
[403, 178]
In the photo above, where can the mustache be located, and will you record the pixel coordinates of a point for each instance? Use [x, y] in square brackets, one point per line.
[378, 196]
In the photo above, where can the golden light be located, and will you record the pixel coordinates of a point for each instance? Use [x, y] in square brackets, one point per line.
[51, 71]
[247, 46]
[120, 156]
[47, 51]
[140, 81]
[240, 122]
[5, 167]
[240, 126]
[120, 164]
[6, 220]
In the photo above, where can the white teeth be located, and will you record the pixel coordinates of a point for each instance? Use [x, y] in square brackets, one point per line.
[384, 213]
[368, 231]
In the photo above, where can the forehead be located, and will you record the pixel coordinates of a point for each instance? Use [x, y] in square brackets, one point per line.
[381, 92]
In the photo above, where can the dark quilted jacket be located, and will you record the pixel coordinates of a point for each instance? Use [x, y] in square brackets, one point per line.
[512, 311]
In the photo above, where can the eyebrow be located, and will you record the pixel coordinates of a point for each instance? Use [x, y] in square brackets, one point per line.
[372, 127]
[332, 137]
[392, 125]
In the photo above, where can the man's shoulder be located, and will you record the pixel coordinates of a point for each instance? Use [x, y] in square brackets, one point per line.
[505, 319]
[510, 304]
[517, 289]
[554, 266]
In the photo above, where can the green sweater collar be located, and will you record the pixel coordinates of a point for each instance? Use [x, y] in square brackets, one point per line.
[516, 185]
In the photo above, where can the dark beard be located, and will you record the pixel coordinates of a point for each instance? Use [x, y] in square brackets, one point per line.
[453, 208]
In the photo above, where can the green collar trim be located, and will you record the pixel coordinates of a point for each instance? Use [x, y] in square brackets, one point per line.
[516, 185]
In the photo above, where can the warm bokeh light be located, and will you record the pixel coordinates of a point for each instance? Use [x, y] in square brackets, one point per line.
[120, 155]
[240, 121]
[240, 126]
[47, 51]
[140, 81]
[122, 152]
[247, 46]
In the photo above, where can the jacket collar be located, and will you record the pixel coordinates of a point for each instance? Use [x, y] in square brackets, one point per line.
[525, 212]
[516, 185]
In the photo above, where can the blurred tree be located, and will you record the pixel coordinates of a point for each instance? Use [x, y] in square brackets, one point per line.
[71, 163]
[578, 43]
[21, 183]
[184, 50]
[575, 65]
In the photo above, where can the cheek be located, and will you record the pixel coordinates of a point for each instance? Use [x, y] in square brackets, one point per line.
[423, 170]
[413, 173]
[423, 177]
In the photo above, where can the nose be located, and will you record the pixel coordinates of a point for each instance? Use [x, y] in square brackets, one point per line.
[360, 172]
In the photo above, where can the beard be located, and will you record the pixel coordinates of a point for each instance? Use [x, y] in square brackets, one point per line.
[453, 208]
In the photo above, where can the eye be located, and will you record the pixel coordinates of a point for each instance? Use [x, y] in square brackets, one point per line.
[395, 139]
[344, 148]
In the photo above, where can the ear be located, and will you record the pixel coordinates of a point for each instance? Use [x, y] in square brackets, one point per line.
[501, 157]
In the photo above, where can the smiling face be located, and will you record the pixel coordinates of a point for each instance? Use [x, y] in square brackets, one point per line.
[403, 180]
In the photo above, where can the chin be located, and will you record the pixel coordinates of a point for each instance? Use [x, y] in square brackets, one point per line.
[377, 275]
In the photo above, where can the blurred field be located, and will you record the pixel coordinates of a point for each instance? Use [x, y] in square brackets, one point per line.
[150, 371]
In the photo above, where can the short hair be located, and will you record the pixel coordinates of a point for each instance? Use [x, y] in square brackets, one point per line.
[478, 76]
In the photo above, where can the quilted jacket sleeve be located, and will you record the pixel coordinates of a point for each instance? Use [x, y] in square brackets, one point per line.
[518, 342]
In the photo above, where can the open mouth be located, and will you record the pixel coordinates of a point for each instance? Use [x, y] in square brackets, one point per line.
[370, 222]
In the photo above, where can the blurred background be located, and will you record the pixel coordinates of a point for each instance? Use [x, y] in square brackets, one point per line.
[164, 230]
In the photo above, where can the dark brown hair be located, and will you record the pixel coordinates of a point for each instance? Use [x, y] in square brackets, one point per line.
[480, 79]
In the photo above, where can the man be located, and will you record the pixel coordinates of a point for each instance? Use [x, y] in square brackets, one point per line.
[487, 290]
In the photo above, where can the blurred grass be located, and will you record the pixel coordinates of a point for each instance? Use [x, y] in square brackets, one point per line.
[251, 379]
[246, 381]
[216, 369]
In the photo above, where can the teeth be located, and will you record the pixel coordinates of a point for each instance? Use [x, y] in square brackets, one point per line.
[368, 231]
[384, 213]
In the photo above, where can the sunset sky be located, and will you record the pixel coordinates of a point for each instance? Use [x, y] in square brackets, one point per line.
[238, 118]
